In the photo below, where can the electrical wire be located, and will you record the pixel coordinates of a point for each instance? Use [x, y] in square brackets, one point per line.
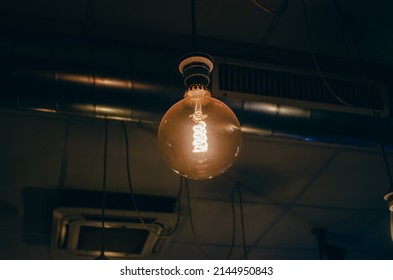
[102, 255]
[133, 200]
[242, 223]
[315, 61]
[385, 158]
[193, 25]
[283, 8]
[344, 27]
[233, 239]
[233, 224]
[65, 157]
[197, 243]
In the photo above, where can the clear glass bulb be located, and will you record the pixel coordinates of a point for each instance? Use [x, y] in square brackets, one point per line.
[199, 137]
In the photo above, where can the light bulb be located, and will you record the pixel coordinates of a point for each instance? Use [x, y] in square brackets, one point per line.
[199, 137]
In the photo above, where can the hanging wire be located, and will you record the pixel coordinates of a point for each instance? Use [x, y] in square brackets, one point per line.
[65, 157]
[197, 243]
[233, 238]
[103, 196]
[233, 224]
[385, 158]
[283, 7]
[242, 223]
[344, 32]
[132, 193]
[315, 61]
[193, 25]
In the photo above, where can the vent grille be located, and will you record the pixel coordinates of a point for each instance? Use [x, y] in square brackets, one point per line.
[298, 86]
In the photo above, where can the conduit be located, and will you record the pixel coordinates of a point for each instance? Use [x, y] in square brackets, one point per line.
[139, 84]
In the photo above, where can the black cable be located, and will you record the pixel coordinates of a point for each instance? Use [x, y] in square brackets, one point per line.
[65, 157]
[233, 224]
[131, 190]
[345, 27]
[197, 243]
[283, 8]
[242, 223]
[385, 158]
[193, 25]
[315, 61]
[102, 255]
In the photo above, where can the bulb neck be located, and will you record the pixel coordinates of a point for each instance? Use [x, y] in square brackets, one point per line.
[197, 91]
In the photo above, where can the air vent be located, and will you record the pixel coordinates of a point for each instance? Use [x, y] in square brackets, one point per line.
[298, 87]
[77, 232]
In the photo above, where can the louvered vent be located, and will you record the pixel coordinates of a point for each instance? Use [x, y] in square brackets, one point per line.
[363, 96]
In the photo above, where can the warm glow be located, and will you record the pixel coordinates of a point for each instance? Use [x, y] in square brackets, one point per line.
[75, 78]
[200, 132]
[115, 83]
[199, 137]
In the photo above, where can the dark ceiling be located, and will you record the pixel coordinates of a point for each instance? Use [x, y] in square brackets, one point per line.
[290, 185]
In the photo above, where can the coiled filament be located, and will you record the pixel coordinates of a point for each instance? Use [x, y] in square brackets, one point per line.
[200, 138]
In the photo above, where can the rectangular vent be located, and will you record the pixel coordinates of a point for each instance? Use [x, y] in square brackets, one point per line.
[259, 81]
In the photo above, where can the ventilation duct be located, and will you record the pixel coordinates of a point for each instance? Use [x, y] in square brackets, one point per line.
[294, 103]
[69, 221]
[139, 83]
[77, 231]
[299, 88]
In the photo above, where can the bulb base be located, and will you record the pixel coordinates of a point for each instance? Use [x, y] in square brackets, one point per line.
[196, 68]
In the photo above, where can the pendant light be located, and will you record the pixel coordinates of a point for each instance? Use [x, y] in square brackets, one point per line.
[199, 137]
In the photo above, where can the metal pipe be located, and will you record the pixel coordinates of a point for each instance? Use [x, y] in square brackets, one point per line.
[141, 85]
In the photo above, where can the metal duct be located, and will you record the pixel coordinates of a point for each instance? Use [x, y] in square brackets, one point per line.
[140, 84]
[79, 81]
[274, 120]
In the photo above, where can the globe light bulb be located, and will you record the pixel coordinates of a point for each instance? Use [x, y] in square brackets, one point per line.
[199, 137]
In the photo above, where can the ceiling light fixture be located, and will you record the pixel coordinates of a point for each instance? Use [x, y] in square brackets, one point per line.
[199, 137]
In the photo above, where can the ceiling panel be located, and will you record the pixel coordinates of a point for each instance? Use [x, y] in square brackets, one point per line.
[283, 253]
[70, 9]
[357, 179]
[279, 170]
[213, 222]
[171, 16]
[289, 230]
[190, 251]
[231, 20]
[30, 150]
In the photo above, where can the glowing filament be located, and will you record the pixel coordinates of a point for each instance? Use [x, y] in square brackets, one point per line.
[200, 132]
[200, 138]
